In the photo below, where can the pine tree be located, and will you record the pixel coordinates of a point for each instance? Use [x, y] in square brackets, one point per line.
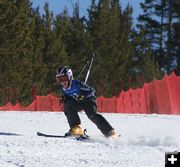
[16, 47]
[158, 20]
[75, 38]
[109, 28]
[152, 21]
[39, 67]
[176, 34]
[142, 63]
[53, 52]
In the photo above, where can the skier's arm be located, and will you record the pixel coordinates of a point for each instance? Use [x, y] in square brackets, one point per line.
[62, 96]
[86, 90]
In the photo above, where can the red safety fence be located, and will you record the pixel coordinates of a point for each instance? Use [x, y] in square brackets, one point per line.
[159, 96]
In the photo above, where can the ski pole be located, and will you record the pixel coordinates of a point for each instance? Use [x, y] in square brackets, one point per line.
[87, 75]
[83, 69]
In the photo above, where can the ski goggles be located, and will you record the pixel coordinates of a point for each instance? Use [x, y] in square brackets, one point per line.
[63, 78]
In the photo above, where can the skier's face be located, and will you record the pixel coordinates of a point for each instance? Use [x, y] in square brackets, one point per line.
[63, 81]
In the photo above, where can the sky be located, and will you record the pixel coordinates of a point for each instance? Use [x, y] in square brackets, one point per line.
[143, 143]
[57, 6]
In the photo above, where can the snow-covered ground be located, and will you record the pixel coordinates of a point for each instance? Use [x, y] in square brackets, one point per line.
[144, 141]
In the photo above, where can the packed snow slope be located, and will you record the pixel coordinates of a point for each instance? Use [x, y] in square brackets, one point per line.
[143, 142]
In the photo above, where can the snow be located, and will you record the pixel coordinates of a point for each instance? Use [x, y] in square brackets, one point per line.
[143, 142]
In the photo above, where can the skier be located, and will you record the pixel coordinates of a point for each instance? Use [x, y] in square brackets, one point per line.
[77, 95]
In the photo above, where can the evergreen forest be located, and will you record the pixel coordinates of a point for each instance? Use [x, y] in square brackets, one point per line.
[33, 45]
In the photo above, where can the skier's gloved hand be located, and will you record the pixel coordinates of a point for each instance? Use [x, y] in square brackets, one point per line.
[78, 97]
[81, 98]
[62, 99]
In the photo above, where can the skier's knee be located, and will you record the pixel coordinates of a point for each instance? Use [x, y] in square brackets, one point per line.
[95, 117]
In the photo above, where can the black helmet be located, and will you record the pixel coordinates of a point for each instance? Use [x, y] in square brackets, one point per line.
[64, 70]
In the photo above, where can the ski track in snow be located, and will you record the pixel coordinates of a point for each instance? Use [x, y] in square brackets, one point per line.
[143, 142]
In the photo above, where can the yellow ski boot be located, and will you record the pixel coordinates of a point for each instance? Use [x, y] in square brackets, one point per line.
[76, 130]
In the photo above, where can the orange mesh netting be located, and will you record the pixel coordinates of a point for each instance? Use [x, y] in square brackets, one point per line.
[159, 96]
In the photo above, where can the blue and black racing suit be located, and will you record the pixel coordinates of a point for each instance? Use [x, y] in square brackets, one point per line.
[80, 96]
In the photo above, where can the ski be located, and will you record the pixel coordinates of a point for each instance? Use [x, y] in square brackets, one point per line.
[50, 135]
[81, 137]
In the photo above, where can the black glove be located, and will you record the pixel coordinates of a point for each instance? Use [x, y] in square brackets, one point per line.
[81, 98]
[62, 99]
[78, 97]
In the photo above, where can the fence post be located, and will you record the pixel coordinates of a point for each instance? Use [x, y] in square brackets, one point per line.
[113, 88]
[101, 87]
[34, 92]
[121, 84]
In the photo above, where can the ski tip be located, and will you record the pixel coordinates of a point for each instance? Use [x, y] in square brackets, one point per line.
[39, 134]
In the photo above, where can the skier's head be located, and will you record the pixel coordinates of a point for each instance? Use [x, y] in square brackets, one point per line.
[64, 76]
